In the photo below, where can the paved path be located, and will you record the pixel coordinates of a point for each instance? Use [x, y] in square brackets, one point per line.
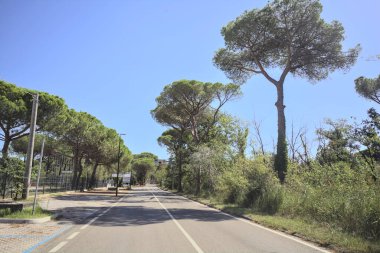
[152, 220]
[26, 237]
[72, 209]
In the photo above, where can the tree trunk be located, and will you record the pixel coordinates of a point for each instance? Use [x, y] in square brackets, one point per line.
[198, 182]
[79, 174]
[281, 159]
[5, 149]
[93, 175]
[180, 172]
[76, 169]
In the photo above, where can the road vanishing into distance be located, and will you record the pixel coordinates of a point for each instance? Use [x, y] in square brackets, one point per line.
[148, 219]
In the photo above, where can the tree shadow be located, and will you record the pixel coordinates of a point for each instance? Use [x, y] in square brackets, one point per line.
[138, 215]
[135, 213]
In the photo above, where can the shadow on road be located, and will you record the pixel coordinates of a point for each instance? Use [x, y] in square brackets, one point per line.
[135, 210]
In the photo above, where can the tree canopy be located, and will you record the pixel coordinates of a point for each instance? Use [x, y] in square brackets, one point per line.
[189, 104]
[368, 88]
[15, 112]
[289, 35]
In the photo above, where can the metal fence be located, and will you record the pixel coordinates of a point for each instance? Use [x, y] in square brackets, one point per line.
[56, 176]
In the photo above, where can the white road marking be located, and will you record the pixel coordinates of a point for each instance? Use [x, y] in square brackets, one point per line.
[277, 232]
[72, 235]
[195, 245]
[61, 244]
[58, 247]
[260, 226]
[101, 214]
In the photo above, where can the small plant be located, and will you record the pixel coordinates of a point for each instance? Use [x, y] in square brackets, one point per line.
[26, 213]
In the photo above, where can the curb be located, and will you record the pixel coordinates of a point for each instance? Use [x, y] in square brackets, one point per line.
[26, 221]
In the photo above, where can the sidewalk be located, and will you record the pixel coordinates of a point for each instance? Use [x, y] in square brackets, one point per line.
[26, 237]
[70, 208]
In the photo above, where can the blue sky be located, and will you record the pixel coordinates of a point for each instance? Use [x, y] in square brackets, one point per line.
[112, 58]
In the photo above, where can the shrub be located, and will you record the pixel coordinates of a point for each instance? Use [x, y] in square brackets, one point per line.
[337, 195]
[251, 183]
[11, 176]
[232, 185]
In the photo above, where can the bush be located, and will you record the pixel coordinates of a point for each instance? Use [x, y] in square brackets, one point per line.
[337, 195]
[251, 183]
[232, 185]
[11, 176]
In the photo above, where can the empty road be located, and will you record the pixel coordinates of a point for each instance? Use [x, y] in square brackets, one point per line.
[151, 220]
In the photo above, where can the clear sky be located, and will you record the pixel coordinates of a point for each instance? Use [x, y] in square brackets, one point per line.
[112, 58]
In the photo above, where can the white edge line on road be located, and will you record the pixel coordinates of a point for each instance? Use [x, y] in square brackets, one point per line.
[252, 223]
[58, 247]
[72, 235]
[188, 237]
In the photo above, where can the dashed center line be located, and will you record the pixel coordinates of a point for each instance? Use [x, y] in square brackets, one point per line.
[58, 247]
[72, 235]
[61, 244]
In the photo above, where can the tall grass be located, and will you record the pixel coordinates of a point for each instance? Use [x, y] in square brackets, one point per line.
[337, 195]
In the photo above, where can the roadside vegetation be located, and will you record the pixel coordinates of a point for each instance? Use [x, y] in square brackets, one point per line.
[76, 143]
[26, 213]
[330, 195]
[327, 192]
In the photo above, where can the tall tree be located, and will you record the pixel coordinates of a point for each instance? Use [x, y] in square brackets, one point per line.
[78, 131]
[15, 112]
[368, 88]
[143, 164]
[101, 150]
[194, 106]
[189, 104]
[289, 35]
[176, 143]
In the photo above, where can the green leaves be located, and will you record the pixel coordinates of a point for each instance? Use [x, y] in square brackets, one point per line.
[290, 35]
[188, 104]
[143, 165]
[15, 112]
[368, 88]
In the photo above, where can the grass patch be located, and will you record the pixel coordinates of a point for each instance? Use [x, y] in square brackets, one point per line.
[26, 213]
[320, 233]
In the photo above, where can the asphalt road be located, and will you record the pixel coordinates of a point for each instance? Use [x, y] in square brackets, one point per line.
[151, 220]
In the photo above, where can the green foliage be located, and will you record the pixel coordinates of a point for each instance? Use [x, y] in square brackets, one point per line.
[337, 195]
[66, 131]
[286, 34]
[289, 35]
[368, 88]
[233, 184]
[164, 176]
[186, 105]
[336, 143]
[177, 143]
[368, 135]
[230, 134]
[205, 165]
[143, 165]
[192, 109]
[26, 213]
[15, 112]
[250, 183]
[11, 175]
[145, 155]
[52, 146]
